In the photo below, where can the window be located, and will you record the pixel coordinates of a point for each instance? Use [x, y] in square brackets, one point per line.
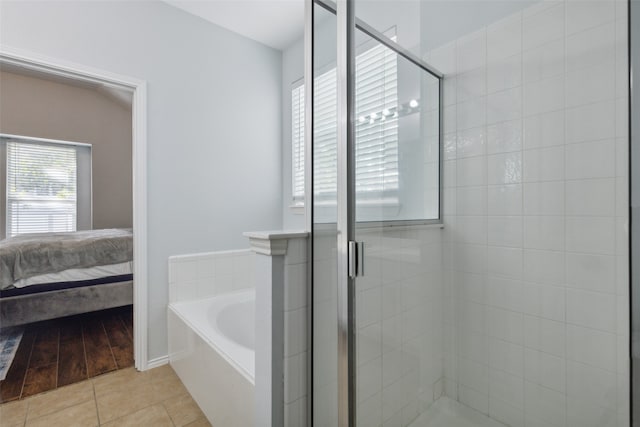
[43, 192]
[297, 137]
[376, 129]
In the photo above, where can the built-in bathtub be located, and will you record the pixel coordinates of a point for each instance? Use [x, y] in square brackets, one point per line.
[212, 350]
[241, 363]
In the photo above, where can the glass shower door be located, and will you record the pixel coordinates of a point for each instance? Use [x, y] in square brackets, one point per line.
[375, 180]
[397, 330]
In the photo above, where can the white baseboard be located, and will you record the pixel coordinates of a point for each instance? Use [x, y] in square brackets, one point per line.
[158, 361]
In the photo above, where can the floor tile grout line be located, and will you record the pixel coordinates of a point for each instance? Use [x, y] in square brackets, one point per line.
[95, 401]
[142, 408]
[161, 403]
[60, 409]
[167, 411]
[164, 408]
[26, 414]
[57, 361]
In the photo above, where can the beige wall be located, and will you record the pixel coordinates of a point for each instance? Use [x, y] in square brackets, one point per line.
[32, 106]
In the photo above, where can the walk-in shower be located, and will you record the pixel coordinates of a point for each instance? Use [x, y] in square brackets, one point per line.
[468, 178]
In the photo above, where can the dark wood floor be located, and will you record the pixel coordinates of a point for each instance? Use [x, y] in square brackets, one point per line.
[64, 351]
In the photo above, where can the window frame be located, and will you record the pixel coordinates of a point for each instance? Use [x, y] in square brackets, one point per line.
[297, 202]
[84, 178]
[298, 206]
[390, 197]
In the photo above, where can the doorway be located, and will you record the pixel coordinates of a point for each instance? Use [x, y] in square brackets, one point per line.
[35, 63]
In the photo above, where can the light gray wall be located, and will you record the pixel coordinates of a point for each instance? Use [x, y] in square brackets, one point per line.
[214, 151]
[42, 108]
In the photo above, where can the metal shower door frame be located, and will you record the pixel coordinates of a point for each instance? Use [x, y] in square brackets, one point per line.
[346, 224]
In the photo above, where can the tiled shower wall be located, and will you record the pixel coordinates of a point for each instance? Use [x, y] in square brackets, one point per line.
[399, 324]
[205, 275]
[398, 320]
[296, 337]
[535, 212]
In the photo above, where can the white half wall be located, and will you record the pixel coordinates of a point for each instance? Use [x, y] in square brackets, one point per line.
[214, 151]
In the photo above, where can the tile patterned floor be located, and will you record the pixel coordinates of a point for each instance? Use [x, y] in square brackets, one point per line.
[59, 352]
[153, 398]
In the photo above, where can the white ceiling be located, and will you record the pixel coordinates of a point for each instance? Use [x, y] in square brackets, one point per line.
[276, 23]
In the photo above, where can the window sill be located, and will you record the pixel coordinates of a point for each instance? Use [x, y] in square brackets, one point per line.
[360, 203]
[371, 205]
[297, 208]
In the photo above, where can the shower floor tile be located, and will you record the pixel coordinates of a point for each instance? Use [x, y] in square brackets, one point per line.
[447, 412]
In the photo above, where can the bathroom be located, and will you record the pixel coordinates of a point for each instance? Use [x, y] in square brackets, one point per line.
[459, 252]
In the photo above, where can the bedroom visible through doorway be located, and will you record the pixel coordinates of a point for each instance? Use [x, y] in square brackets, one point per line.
[74, 309]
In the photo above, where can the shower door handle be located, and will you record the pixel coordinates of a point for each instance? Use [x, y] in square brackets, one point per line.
[356, 259]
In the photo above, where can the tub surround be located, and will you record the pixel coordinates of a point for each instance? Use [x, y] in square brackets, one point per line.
[281, 326]
[221, 391]
[274, 391]
[219, 322]
[203, 275]
[201, 356]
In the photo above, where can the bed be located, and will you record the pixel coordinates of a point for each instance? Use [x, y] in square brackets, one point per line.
[49, 275]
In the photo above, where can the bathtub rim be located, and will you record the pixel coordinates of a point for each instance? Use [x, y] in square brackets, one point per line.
[175, 308]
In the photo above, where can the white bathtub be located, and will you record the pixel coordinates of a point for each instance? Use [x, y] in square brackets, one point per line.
[211, 348]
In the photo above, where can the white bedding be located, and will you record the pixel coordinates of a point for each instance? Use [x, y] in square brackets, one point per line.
[78, 274]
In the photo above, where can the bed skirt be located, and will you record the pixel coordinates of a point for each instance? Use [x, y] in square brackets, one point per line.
[22, 309]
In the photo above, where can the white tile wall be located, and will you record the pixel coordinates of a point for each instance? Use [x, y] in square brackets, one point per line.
[535, 212]
[208, 274]
[296, 339]
[400, 324]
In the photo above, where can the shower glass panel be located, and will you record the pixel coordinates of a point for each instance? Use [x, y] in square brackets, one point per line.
[514, 311]
[393, 359]
[398, 317]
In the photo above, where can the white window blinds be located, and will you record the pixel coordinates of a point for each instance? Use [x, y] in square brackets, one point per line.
[325, 134]
[297, 126]
[42, 188]
[376, 128]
